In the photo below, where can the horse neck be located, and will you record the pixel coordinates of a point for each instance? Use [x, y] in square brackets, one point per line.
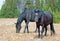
[41, 13]
[21, 18]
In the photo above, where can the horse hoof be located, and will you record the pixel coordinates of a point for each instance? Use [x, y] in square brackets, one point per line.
[28, 32]
[38, 36]
[54, 33]
[35, 31]
[45, 35]
[51, 34]
[41, 36]
[24, 32]
[17, 32]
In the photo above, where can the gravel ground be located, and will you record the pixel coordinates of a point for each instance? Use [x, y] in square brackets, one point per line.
[8, 32]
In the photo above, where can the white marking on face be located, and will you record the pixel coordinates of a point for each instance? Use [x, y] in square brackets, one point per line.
[36, 13]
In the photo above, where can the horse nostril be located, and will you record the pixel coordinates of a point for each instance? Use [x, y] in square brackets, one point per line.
[17, 32]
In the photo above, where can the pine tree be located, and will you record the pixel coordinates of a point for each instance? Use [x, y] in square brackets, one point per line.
[9, 9]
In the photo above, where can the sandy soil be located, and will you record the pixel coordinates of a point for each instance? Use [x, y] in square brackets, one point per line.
[8, 32]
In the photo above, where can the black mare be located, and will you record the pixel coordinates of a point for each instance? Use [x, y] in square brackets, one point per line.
[44, 19]
[27, 16]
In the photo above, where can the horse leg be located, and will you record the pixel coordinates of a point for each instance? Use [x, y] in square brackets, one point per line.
[52, 28]
[42, 31]
[26, 27]
[45, 30]
[27, 30]
[36, 28]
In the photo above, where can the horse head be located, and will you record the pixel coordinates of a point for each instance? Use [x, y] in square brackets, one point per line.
[18, 27]
[36, 15]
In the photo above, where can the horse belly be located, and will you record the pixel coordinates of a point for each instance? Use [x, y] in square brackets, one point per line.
[32, 20]
[48, 20]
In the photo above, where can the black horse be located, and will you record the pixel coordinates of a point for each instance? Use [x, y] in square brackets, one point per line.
[44, 19]
[28, 16]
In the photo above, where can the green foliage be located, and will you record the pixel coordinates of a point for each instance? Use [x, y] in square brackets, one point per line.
[29, 4]
[37, 4]
[9, 9]
[44, 7]
[56, 16]
[58, 5]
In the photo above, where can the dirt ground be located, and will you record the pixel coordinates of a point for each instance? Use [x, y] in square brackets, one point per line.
[8, 32]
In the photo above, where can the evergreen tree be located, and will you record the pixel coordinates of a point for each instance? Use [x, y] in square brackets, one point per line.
[9, 9]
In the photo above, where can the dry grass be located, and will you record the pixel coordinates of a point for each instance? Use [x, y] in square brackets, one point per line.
[8, 32]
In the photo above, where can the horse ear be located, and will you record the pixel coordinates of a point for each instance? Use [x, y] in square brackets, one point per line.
[38, 10]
